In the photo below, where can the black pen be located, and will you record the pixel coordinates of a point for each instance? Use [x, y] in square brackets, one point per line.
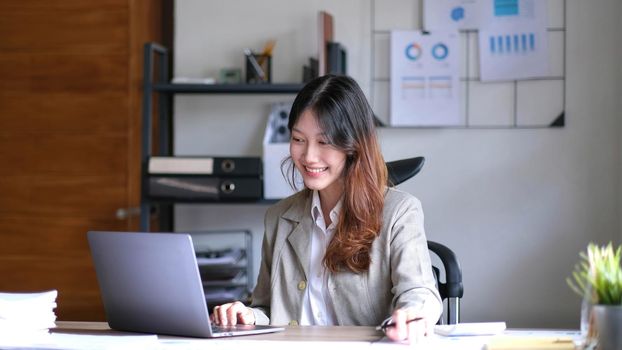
[390, 324]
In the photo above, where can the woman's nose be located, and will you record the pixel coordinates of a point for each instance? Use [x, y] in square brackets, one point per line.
[311, 153]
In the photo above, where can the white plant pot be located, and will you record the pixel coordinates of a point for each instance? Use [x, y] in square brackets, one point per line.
[609, 326]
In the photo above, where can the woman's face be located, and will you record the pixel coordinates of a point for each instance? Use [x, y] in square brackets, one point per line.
[320, 163]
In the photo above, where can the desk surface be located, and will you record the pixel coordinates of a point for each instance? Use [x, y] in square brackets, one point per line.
[97, 335]
[291, 333]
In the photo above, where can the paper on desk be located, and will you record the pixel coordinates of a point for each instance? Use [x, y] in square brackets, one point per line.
[470, 329]
[435, 342]
[240, 343]
[85, 342]
[470, 343]
[16, 303]
[26, 317]
[40, 297]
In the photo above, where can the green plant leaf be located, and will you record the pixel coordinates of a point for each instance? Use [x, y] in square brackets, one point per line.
[599, 272]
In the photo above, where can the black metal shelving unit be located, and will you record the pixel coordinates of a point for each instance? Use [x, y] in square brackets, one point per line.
[227, 88]
[156, 85]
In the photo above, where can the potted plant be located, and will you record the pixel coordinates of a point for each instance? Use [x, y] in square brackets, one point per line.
[598, 279]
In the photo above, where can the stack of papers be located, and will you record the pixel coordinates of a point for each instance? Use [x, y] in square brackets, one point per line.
[26, 316]
[220, 257]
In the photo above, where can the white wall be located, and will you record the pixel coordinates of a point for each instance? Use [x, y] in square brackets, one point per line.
[619, 89]
[517, 205]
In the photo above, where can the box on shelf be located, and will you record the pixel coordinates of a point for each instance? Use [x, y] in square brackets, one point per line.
[275, 150]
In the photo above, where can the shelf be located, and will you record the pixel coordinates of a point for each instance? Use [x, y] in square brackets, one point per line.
[160, 200]
[280, 88]
[158, 88]
[225, 272]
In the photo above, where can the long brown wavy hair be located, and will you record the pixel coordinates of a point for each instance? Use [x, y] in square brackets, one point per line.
[345, 116]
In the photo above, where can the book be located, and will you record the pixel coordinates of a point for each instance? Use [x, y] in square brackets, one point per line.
[234, 166]
[204, 188]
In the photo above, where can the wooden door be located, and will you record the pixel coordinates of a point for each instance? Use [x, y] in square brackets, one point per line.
[70, 103]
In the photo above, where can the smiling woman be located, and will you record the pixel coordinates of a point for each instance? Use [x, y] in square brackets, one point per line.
[347, 249]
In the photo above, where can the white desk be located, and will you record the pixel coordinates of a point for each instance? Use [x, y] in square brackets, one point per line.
[97, 335]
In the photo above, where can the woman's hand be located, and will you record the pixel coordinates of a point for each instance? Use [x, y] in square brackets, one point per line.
[231, 314]
[408, 325]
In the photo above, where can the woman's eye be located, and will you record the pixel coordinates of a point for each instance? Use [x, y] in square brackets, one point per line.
[296, 139]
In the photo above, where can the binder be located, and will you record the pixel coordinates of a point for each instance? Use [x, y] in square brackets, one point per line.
[336, 54]
[204, 188]
[230, 166]
[325, 35]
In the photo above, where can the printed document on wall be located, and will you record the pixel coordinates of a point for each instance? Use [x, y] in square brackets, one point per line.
[514, 45]
[424, 79]
[455, 14]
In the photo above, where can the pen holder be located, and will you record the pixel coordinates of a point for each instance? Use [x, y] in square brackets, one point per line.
[258, 69]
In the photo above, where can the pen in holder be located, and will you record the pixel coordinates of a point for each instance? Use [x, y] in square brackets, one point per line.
[258, 67]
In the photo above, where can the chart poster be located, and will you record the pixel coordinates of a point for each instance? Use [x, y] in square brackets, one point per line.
[424, 79]
[455, 14]
[514, 45]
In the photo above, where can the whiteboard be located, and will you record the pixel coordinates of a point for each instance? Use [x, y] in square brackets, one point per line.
[530, 103]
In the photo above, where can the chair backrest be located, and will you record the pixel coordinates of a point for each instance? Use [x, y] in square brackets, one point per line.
[403, 169]
[451, 289]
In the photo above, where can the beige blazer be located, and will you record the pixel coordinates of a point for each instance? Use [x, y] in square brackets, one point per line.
[400, 273]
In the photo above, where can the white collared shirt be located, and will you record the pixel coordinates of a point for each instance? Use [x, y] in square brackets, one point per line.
[317, 306]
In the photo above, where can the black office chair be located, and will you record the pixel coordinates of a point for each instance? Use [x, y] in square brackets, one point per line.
[451, 289]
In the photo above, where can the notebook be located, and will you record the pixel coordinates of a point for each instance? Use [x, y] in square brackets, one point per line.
[150, 283]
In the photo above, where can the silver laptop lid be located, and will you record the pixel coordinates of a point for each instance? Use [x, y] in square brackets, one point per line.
[150, 282]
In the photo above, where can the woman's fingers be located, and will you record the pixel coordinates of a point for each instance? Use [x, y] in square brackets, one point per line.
[247, 316]
[232, 313]
[408, 325]
[398, 330]
[416, 331]
[220, 314]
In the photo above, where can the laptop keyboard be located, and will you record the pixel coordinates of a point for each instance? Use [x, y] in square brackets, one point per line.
[226, 329]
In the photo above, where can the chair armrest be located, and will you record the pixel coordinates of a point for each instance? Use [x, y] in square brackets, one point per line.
[452, 288]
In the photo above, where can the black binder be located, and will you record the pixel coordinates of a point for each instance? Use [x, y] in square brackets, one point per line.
[204, 188]
[336, 58]
[229, 166]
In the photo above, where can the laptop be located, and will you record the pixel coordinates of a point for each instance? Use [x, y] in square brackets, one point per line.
[150, 283]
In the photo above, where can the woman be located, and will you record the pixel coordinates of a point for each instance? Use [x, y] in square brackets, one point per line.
[348, 249]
